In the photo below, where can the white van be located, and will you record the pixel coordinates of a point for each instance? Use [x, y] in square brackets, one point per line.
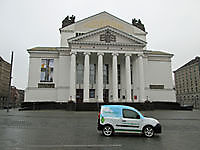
[124, 119]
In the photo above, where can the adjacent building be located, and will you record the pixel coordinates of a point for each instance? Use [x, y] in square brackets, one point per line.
[16, 97]
[100, 59]
[21, 97]
[187, 82]
[4, 81]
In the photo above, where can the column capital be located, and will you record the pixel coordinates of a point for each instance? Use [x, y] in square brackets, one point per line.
[128, 54]
[73, 52]
[115, 54]
[100, 53]
[87, 53]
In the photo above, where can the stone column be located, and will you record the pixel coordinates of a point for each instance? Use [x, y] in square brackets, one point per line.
[114, 76]
[100, 77]
[73, 77]
[141, 79]
[128, 78]
[86, 77]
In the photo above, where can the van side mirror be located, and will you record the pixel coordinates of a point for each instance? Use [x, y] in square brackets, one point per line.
[138, 117]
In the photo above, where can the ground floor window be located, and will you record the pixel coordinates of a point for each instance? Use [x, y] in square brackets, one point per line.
[79, 95]
[106, 95]
[92, 93]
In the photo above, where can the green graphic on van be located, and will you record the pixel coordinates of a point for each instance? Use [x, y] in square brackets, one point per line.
[102, 120]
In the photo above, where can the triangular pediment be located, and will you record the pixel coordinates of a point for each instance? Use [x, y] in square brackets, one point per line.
[107, 35]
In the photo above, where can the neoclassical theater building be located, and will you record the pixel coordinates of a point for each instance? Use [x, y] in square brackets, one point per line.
[100, 59]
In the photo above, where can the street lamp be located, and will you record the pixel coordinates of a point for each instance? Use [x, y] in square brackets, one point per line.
[9, 86]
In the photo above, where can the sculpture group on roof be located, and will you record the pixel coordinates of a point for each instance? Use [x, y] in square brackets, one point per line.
[138, 24]
[68, 20]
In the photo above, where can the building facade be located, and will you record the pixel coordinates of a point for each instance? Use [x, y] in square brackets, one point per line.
[4, 82]
[187, 82]
[16, 97]
[100, 59]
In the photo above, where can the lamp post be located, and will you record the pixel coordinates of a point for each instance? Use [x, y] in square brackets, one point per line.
[9, 86]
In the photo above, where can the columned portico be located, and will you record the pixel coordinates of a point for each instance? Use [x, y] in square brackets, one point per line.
[86, 77]
[141, 79]
[100, 77]
[73, 77]
[128, 77]
[114, 77]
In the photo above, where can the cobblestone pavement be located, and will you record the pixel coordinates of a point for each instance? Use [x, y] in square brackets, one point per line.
[63, 130]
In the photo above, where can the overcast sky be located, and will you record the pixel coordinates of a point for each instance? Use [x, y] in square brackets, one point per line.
[172, 25]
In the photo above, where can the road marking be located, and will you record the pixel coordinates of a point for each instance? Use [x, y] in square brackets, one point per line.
[68, 146]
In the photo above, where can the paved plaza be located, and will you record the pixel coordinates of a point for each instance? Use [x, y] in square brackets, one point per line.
[63, 130]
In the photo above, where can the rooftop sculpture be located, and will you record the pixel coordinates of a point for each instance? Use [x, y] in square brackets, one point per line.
[68, 20]
[138, 24]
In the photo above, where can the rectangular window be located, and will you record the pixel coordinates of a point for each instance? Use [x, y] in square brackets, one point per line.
[105, 74]
[79, 74]
[199, 68]
[92, 73]
[92, 93]
[156, 86]
[130, 114]
[118, 74]
[46, 70]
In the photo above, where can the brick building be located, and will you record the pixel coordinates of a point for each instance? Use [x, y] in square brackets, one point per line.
[4, 81]
[187, 82]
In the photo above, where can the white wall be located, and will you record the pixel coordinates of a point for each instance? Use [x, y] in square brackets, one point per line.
[34, 72]
[60, 78]
[63, 79]
[161, 95]
[158, 72]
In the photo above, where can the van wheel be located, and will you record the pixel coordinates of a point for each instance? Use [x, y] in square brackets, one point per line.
[107, 130]
[148, 131]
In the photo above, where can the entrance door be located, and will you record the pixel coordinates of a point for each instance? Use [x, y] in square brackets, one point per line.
[106, 95]
[79, 95]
